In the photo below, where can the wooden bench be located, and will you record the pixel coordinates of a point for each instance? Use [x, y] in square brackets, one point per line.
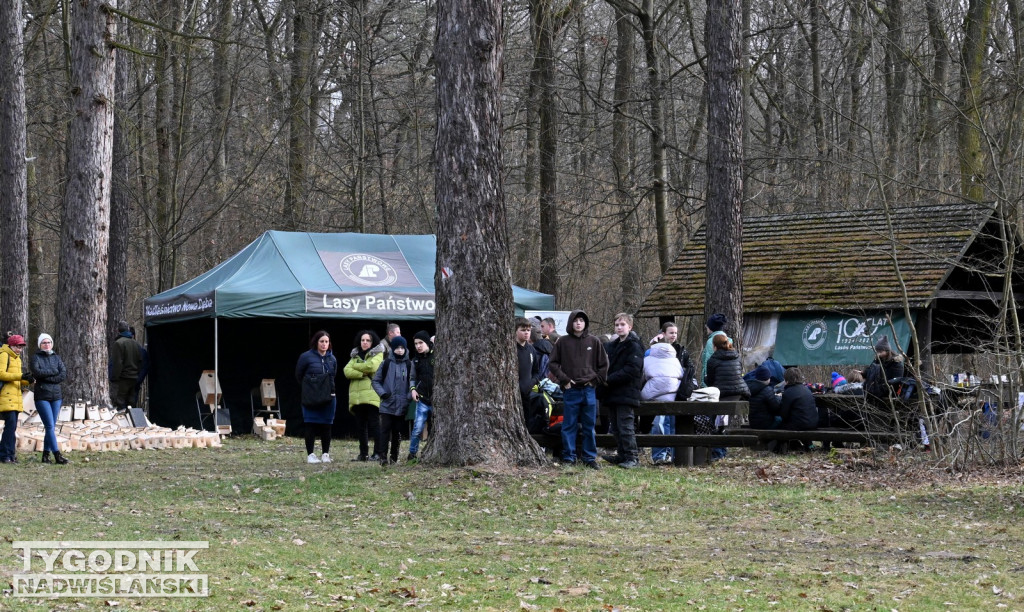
[831, 435]
[684, 440]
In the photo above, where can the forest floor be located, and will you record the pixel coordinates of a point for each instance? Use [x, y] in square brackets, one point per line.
[754, 531]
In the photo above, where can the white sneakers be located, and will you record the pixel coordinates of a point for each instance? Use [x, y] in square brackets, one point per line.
[312, 459]
[325, 458]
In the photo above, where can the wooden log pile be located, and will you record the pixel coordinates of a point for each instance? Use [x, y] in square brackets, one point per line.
[109, 431]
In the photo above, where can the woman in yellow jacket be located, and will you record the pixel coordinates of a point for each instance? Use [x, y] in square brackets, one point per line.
[363, 401]
[14, 379]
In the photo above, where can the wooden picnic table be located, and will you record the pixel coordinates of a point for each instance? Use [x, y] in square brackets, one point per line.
[685, 439]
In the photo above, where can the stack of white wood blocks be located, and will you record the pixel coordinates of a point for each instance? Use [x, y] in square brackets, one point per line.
[269, 429]
[101, 429]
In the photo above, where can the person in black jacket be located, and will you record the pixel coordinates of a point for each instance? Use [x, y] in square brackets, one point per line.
[422, 388]
[764, 405]
[621, 392]
[50, 372]
[884, 368]
[797, 409]
[724, 371]
[528, 363]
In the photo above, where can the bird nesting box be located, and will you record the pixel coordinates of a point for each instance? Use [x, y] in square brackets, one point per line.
[209, 388]
[268, 392]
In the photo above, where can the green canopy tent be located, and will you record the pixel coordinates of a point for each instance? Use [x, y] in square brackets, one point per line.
[251, 316]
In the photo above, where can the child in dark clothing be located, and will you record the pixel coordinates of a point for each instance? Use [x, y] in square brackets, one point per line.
[393, 382]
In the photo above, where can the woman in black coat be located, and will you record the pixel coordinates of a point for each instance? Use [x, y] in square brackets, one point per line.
[724, 371]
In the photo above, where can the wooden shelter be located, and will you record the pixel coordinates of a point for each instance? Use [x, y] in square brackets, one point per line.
[844, 278]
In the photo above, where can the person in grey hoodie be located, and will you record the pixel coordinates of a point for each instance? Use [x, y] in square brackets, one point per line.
[579, 365]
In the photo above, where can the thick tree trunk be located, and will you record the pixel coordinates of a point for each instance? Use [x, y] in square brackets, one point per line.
[166, 150]
[13, 197]
[82, 276]
[477, 408]
[724, 212]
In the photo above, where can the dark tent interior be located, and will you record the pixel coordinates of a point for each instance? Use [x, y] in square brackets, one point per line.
[250, 350]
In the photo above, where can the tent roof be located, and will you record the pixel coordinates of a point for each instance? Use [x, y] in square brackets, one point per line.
[317, 275]
[832, 260]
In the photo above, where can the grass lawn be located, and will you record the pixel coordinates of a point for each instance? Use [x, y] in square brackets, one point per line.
[752, 532]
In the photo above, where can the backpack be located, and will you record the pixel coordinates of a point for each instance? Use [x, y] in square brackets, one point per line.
[687, 385]
[539, 411]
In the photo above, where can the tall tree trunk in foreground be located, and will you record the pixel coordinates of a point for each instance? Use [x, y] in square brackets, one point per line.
[723, 290]
[477, 411]
[82, 276]
[13, 200]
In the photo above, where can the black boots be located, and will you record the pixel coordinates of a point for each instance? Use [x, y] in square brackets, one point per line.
[58, 458]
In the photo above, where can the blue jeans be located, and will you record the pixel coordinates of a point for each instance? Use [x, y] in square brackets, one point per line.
[579, 412]
[663, 425]
[7, 441]
[48, 411]
[422, 412]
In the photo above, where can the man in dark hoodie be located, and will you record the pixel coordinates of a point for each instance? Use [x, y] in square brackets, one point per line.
[621, 392]
[579, 365]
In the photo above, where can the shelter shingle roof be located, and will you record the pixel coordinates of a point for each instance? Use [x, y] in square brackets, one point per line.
[832, 260]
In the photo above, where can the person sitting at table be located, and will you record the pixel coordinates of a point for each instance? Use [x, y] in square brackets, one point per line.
[886, 366]
[764, 404]
[797, 408]
[851, 384]
[663, 374]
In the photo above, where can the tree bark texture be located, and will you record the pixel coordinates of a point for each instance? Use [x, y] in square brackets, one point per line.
[120, 200]
[547, 142]
[476, 406]
[82, 275]
[622, 158]
[14, 203]
[724, 281]
[969, 137]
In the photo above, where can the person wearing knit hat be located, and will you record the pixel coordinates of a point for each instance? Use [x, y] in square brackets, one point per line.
[763, 410]
[838, 379]
[49, 370]
[883, 345]
[393, 382]
[422, 388]
[716, 322]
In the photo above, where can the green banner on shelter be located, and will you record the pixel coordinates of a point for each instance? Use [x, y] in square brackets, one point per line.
[836, 339]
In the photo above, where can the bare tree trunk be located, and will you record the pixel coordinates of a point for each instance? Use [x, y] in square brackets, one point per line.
[972, 59]
[13, 197]
[622, 163]
[482, 423]
[659, 163]
[298, 115]
[224, 68]
[82, 276]
[120, 199]
[166, 196]
[547, 143]
[724, 212]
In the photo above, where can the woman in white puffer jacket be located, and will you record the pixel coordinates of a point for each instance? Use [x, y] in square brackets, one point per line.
[662, 374]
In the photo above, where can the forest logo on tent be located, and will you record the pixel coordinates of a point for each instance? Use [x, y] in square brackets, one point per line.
[814, 334]
[368, 270]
